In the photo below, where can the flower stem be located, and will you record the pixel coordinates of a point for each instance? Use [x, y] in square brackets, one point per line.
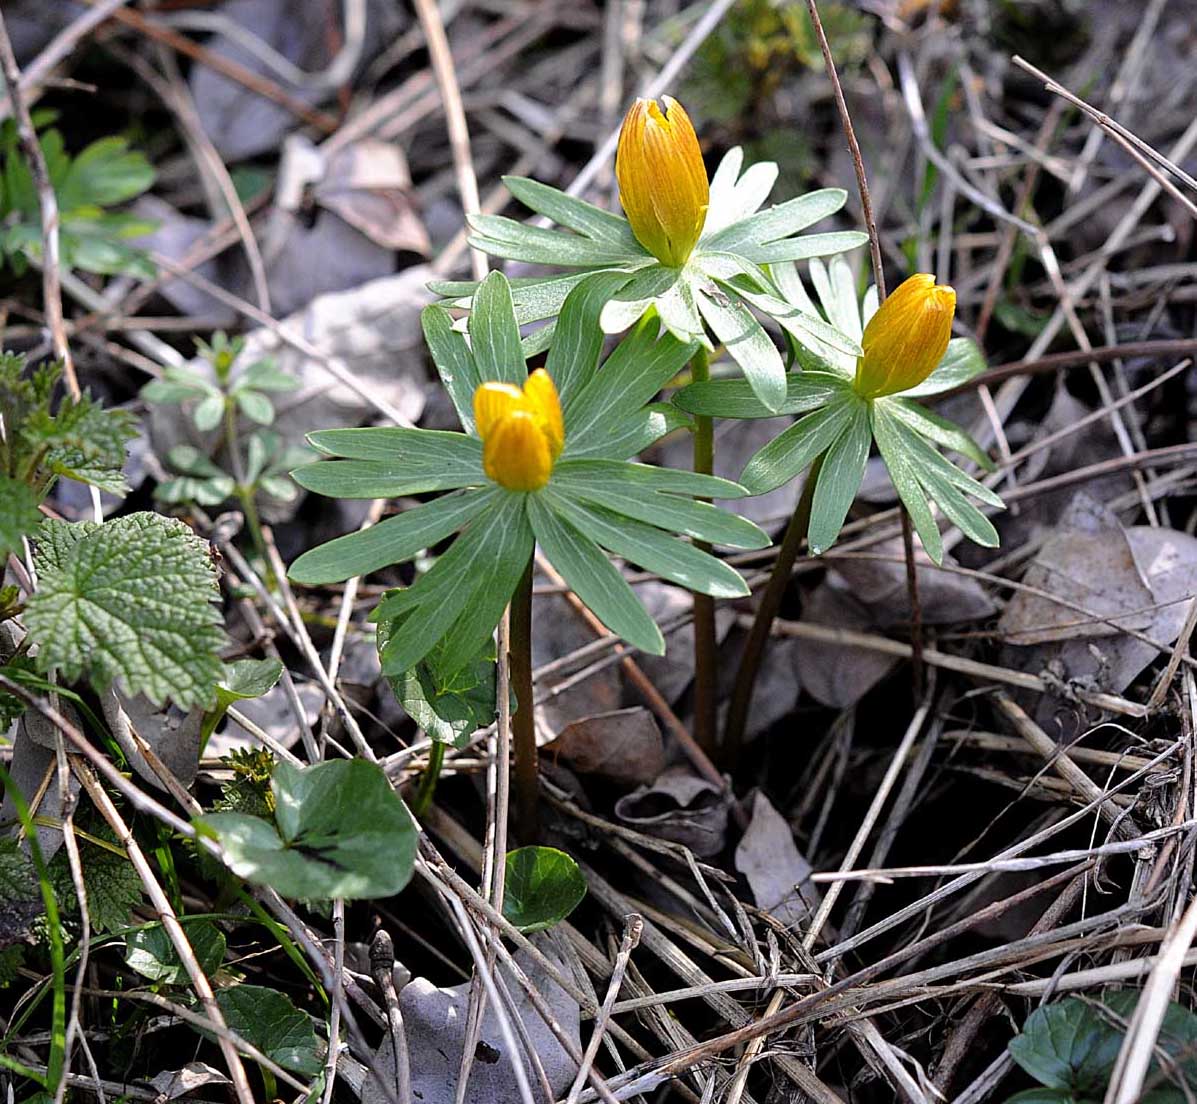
[766, 611]
[244, 492]
[705, 658]
[523, 721]
[428, 780]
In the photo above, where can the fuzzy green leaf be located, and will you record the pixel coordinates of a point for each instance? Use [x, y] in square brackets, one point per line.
[392, 541]
[19, 515]
[594, 579]
[130, 600]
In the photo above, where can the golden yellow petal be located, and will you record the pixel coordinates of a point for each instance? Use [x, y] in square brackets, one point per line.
[493, 401]
[662, 179]
[516, 454]
[543, 401]
[907, 337]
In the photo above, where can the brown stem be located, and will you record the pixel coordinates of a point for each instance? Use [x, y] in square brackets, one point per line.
[766, 611]
[523, 722]
[916, 606]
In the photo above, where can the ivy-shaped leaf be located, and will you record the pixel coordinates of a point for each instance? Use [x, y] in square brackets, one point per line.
[267, 1019]
[544, 886]
[130, 600]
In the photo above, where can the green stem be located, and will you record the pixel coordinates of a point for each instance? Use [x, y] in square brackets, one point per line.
[766, 611]
[244, 492]
[705, 656]
[428, 780]
[523, 721]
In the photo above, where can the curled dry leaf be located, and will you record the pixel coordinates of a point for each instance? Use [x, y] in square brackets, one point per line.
[171, 1084]
[624, 745]
[682, 807]
[173, 736]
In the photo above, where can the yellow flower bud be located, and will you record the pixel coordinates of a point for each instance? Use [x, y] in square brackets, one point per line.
[522, 432]
[662, 180]
[907, 337]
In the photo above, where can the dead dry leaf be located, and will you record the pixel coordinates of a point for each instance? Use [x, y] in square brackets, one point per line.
[682, 807]
[624, 745]
[776, 871]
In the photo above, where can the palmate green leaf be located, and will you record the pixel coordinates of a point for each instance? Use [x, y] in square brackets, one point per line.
[517, 241]
[960, 363]
[454, 362]
[574, 214]
[460, 600]
[131, 600]
[734, 398]
[594, 579]
[342, 831]
[392, 541]
[543, 886]
[19, 515]
[578, 340]
[494, 333]
[747, 344]
[797, 447]
[267, 1020]
[630, 377]
[781, 221]
[630, 494]
[839, 480]
[650, 548]
[104, 174]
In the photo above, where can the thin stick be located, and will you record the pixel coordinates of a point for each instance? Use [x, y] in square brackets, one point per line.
[762, 622]
[47, 204]
[705, 658]
[631, 938]
[523, 729]
[459, 132]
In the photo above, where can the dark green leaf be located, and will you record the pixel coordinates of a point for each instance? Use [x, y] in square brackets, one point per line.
[266, 1019]
[342, 832]
[104, 174]
[151, 953]
[1068, 1045]
[19, 515]
[543, 886]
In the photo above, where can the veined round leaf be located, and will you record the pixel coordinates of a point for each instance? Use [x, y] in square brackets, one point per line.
[152, 954]
[342, 832]
[267, 1019]
[543, 887]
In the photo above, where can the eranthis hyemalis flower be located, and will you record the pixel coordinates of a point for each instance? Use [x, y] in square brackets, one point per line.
[522, 431]
[907, 337]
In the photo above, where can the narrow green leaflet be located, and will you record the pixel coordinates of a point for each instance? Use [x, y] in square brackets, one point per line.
[926, 423]
[342, 831]
[454, 361]
[383, 479]
[130, 600]
[389, 542]
[796, 448]
[747, 344]
[839, 480]
[594, 579]
[578, 341]
[395, 444]
[517, 241]
[267, 1020]
[652, 549]
[630, 434]
[574, 214]
[19, 515]
[649, 476]
[780, 221]
[543, 886]
[735, 398]
[494, 333]
[902, 473]
[800, 249]
[151, 953]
